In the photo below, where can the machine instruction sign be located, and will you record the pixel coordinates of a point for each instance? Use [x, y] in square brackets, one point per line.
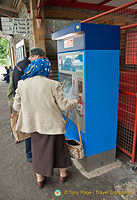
[15, 25]
[68, 43]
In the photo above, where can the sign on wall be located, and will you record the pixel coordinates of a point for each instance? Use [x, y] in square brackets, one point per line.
[20, 51]
[15, 26]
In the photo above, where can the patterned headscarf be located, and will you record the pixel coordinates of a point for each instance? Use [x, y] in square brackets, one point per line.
[38, 67]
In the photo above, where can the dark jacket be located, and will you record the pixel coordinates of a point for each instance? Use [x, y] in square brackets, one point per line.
[18, 72]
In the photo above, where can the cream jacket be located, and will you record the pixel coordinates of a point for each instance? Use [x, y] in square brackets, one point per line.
[39, 102]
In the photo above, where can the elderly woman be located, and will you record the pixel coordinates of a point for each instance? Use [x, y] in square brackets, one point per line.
[39, 102]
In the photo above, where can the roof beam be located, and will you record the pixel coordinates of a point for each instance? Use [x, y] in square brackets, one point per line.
[6, 8]
[39, 6]
[81, 5]
[43, 2]
[27, 5]
[103, 2]
[5, 13]
[65, 14]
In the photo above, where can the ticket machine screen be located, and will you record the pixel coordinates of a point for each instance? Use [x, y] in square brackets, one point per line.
[71, 62]
[66, 83]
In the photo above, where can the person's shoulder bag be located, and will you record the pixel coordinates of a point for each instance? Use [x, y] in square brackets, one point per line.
[19, 136]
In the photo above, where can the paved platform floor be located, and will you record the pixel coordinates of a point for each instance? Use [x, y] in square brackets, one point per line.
[18, 181]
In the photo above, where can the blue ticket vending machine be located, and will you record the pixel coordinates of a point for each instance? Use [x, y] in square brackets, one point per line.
[88, 63]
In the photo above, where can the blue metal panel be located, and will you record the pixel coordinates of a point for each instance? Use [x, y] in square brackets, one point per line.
[101, 36]
[97, 36]
[101, 97]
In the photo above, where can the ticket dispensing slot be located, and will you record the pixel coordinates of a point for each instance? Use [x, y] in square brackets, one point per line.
[80, 106]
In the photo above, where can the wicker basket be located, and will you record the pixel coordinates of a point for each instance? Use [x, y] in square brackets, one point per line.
[75, 147]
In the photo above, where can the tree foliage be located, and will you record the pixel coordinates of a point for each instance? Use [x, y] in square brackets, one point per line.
[4, 48]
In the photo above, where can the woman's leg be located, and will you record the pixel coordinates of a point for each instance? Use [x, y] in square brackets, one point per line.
[63, 172]
[40, 178]
[63, 175]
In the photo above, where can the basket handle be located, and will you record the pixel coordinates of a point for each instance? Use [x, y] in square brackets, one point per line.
[77, 124]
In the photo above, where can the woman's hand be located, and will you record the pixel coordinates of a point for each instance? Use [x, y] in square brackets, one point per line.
[61, 82]
[78, 100]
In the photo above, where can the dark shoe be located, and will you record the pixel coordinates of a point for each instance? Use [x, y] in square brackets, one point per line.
[41, 183]
[16, 141]
[134, 168]
[29, 159]
[63, 179]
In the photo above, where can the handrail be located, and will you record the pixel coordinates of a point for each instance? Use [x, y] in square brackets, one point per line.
[110, 11]
[128, 26]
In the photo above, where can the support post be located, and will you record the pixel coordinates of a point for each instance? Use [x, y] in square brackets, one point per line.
[38, 29]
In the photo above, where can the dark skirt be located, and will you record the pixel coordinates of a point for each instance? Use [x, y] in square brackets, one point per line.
[49, 152]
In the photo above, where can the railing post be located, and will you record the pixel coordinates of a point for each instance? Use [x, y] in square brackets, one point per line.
[135, 135]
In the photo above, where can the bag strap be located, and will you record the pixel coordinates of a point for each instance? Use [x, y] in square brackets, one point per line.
[18, 68]
[67, 118]
[10, 110]
[77, 124]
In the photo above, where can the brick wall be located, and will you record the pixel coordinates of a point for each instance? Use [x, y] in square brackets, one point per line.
[53, 25]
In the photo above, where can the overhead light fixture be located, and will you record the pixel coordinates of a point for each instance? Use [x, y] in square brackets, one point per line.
[38, 22]
[66, 36]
